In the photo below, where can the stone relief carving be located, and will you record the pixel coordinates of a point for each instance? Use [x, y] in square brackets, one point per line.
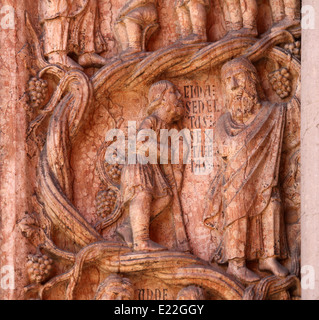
[115, 287]
[39, 267]
[240, 17]
[192, 16]
[246, 189]
[280, 81]
[137, 21]
[150, 188]
[138, 234]
[286, 14]
[294, 49]
[191, 293]
[72, 27]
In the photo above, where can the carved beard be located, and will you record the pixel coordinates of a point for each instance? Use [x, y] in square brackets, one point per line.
[179, 111]
[242, 102]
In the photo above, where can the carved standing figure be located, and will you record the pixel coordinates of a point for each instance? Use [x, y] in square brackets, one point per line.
[71, 26]
[115, 288]
[240, 17]
[285, 14]
[244, 201]
[149, 188]
[192, 17]
[136, 22]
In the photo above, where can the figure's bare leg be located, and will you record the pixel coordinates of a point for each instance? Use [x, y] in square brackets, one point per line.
[277, 9]
[234, 15]
[198, 14]
[61, 57]
[184, 21]
[91, 59]
[292, 8]
[159, 205]
[243, 16]
[56, 42]
[235, 243]
[140, 212]
[271, 233]
[134, 35]
[88, 56]
[284, 14]
[125, 232]
[121, 34]
[237, 268]
[249, 13]
[271, 264]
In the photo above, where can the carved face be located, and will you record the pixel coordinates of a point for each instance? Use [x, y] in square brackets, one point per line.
[173, 102]
[116, 292]
[191, 293]
[241, 93]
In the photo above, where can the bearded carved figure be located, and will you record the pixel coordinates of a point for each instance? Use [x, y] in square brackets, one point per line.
[244, 201]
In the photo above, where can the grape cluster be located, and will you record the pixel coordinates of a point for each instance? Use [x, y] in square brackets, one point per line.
[115, 171]
[294, 48]
[105, 203]
[39, 267]
[280, 81]
[37, 89]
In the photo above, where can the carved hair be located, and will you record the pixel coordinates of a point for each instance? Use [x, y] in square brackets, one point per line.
[156, 94]
[245, 65]
[114, 280]
[191, 293]
[240, 63]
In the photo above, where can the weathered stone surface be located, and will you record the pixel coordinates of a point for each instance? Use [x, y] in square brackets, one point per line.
[221, 220]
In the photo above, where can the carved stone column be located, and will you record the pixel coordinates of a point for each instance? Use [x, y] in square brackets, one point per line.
[13, 159]
[310, 157]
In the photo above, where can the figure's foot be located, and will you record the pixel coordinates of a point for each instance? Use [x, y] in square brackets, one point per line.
[285, 24]
[91, 60]
[72, 64]
[272, 265]
[148, 246]
[129, 51]
[125, 232]
[241, 272]
[243, 32]
[193, 38]
[63, 59]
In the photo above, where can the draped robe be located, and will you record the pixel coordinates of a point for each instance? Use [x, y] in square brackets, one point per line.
[244, 200]
[72, 26]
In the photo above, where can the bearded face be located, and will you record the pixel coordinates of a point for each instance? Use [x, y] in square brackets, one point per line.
[241, 94]
[174, 103]
[117, 292]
